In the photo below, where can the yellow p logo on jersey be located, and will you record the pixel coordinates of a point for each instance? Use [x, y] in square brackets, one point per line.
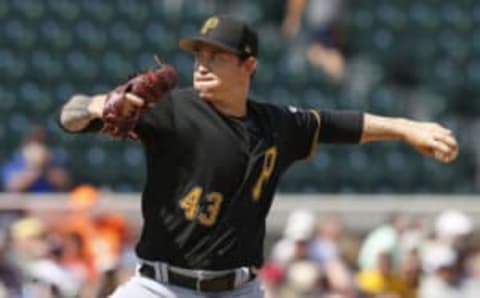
[210, 24]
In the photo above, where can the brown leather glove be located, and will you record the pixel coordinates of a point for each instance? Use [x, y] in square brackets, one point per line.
[150, 86]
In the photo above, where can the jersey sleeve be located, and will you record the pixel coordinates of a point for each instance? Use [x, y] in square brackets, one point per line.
[301, 130]
[341, 127]
[156, 121]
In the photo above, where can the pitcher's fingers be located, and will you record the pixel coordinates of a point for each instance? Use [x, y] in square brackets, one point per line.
[446, 157]
[447, 139]
[440, 146]
[134, 100]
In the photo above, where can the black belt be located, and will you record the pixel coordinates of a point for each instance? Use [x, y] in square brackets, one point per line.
[218, 284]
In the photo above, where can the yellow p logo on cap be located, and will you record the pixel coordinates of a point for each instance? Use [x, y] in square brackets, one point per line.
[210, 24]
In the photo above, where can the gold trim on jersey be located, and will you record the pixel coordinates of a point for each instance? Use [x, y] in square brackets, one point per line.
[314, 145]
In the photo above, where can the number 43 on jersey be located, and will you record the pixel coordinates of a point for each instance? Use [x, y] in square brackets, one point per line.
[190, 203]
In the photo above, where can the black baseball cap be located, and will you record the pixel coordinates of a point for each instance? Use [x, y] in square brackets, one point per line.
[226, 33]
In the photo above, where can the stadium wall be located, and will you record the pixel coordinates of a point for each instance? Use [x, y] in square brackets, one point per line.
[359, 212]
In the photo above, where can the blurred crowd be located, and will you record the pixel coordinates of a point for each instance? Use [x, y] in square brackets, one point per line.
[82, 252]
[404, 258]
[86, 253]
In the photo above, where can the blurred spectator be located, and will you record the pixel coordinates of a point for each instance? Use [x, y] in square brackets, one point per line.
[93, 241]
[111, 251]
[77, 228]
[452, 226]
[324, 249]
[410, 273]
[32, 253]
[75, 257]
[50, 276]
[29, 242]
[33, 168]
[303, 280]
[10, 276]
[321, 18]
[471, 286]
[128, 258]
[338, 280]
[108, 241]
[414, 236]
[297, 234]
[381, 280]
[271, 275]
[292, 248]
[3, 292]
[385, 239]
[324, 246]
[111, 232]
[299, 252]
[441, 277]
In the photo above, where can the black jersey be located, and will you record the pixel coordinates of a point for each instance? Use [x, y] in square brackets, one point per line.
[211, 178]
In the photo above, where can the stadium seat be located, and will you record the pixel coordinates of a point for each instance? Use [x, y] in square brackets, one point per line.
[472, 73]
[12, 66]
[172, 11]
[55, 35]
[135, 12]
[5, 9]
[133, 156]
[183, 62]
[248, 10]
[158, 37]
[35, 99]
[423, 16]
[45, 67]
[454, 15]
[18, 124]
[316, 98]
[391, 16]
[124, 38]
[31, 10]
[83, 67]
[264, 77]
[7, 101]
[361, 22]
[271, 45]
[383, 101]
[196, 11]
[19, 34]
[281, 95]
[89, 36]
[115, 67]
[100, 11]
[67, 11]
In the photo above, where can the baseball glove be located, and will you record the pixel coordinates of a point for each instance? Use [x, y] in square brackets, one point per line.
[120, 116]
